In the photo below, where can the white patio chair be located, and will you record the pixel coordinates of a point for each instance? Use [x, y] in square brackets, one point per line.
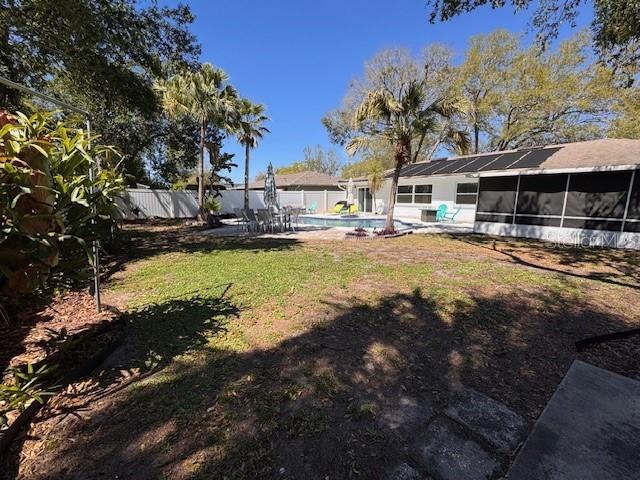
[264, 220]
[251, 219]
[241, 221]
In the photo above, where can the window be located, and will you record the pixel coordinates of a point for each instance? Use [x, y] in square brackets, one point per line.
[601, 194]
[497, 195]
[466, 193]
[422, 193]
[541, 194]
[414, 193]
[405, 194]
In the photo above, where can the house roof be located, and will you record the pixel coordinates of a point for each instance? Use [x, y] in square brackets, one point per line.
[299, 179]
[608, 152]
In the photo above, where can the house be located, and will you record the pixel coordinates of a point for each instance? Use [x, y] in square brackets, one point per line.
[308, 181]
[584, 192]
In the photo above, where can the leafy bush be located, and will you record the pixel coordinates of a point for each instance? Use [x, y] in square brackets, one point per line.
[47, 198]
[25, 389]
[212, 204]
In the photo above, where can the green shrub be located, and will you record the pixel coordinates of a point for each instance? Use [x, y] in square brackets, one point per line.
[212, 204]
[47, 198]
[25, 388]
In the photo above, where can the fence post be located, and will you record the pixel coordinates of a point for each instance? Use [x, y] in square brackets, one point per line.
[174, 203]
[326, 201]
[302, 199]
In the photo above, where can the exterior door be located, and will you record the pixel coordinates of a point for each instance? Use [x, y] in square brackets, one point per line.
[365, 200]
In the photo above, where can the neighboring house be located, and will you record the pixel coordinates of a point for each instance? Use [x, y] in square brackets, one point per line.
[575, 191]
[307, 181]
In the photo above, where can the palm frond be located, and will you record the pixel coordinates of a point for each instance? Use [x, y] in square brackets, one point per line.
[357, 144]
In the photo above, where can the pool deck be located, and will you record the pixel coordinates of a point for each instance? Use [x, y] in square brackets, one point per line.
[312, 232]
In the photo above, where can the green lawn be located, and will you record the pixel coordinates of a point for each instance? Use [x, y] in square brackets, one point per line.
[279, 359]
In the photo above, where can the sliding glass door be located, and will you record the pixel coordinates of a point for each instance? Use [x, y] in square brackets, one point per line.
[365, 200]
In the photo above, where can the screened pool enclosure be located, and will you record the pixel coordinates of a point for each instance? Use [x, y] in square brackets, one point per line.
[593, 201]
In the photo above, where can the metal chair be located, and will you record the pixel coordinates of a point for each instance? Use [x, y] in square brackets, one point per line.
[293, 218]
[251, 219]
[241, 222]
[264, 219]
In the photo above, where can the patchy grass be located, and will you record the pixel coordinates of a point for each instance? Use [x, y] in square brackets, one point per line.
[273, 358]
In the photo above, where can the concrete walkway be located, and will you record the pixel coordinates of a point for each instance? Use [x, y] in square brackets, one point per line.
[590, 429]
[472, 439]
[311, 232]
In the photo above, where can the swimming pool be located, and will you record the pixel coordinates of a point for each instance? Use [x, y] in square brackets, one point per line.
[351, 221]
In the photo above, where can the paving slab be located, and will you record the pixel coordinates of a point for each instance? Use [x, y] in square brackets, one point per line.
[407, 416]
[590, 429]
[404, 471]
[447, 455]
[493, 420]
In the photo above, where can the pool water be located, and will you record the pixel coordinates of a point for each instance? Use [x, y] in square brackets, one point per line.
[351, 221]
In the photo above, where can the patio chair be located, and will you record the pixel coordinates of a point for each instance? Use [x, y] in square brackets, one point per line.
[442, 210]
[339, 206]
[266, 220]
[293, 218]
[278, 217]
[379, 206]
[443, 215]
[285, 218]
[313, 207]
[451, 217]
[252, 221]
[349, 209]
[241, 222]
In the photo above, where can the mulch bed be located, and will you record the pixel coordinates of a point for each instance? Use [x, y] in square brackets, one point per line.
[363, 235]
[68, 336]
[34, 331]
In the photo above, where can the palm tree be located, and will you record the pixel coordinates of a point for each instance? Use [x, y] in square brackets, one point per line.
[400, 118]
[206, 96]
[251, 129]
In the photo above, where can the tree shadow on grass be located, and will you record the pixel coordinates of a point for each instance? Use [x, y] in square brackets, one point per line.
[178, 325]
[612, 266]
[348, 398]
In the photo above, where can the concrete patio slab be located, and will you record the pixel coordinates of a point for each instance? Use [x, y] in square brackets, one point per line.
[590, 429]
[311, 232]
[494, 421]
[448, 455]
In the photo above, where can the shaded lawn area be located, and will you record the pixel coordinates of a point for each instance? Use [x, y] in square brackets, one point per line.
[278, 359]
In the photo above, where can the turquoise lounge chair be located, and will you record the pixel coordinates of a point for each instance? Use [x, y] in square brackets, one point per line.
[442, 211]
[313, 207]
[444, 216]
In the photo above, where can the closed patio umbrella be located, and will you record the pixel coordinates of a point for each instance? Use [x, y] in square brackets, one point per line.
[350, 188]
[270, 193]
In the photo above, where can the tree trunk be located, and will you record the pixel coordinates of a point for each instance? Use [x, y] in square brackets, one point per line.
[476, 136]
[246, 176]
[402, 156]
[201, 173]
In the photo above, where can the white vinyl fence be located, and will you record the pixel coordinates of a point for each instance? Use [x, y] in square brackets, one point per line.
[146, 203]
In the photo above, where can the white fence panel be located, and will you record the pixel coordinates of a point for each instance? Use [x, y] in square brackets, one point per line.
[335, 197]
[324, 199]
[231, 199]
[294, 199]
[144, 203]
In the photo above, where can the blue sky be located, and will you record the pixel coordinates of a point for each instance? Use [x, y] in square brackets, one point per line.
[297, 57]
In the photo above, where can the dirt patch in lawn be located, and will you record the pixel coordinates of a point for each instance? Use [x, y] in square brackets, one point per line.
[337, 382]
